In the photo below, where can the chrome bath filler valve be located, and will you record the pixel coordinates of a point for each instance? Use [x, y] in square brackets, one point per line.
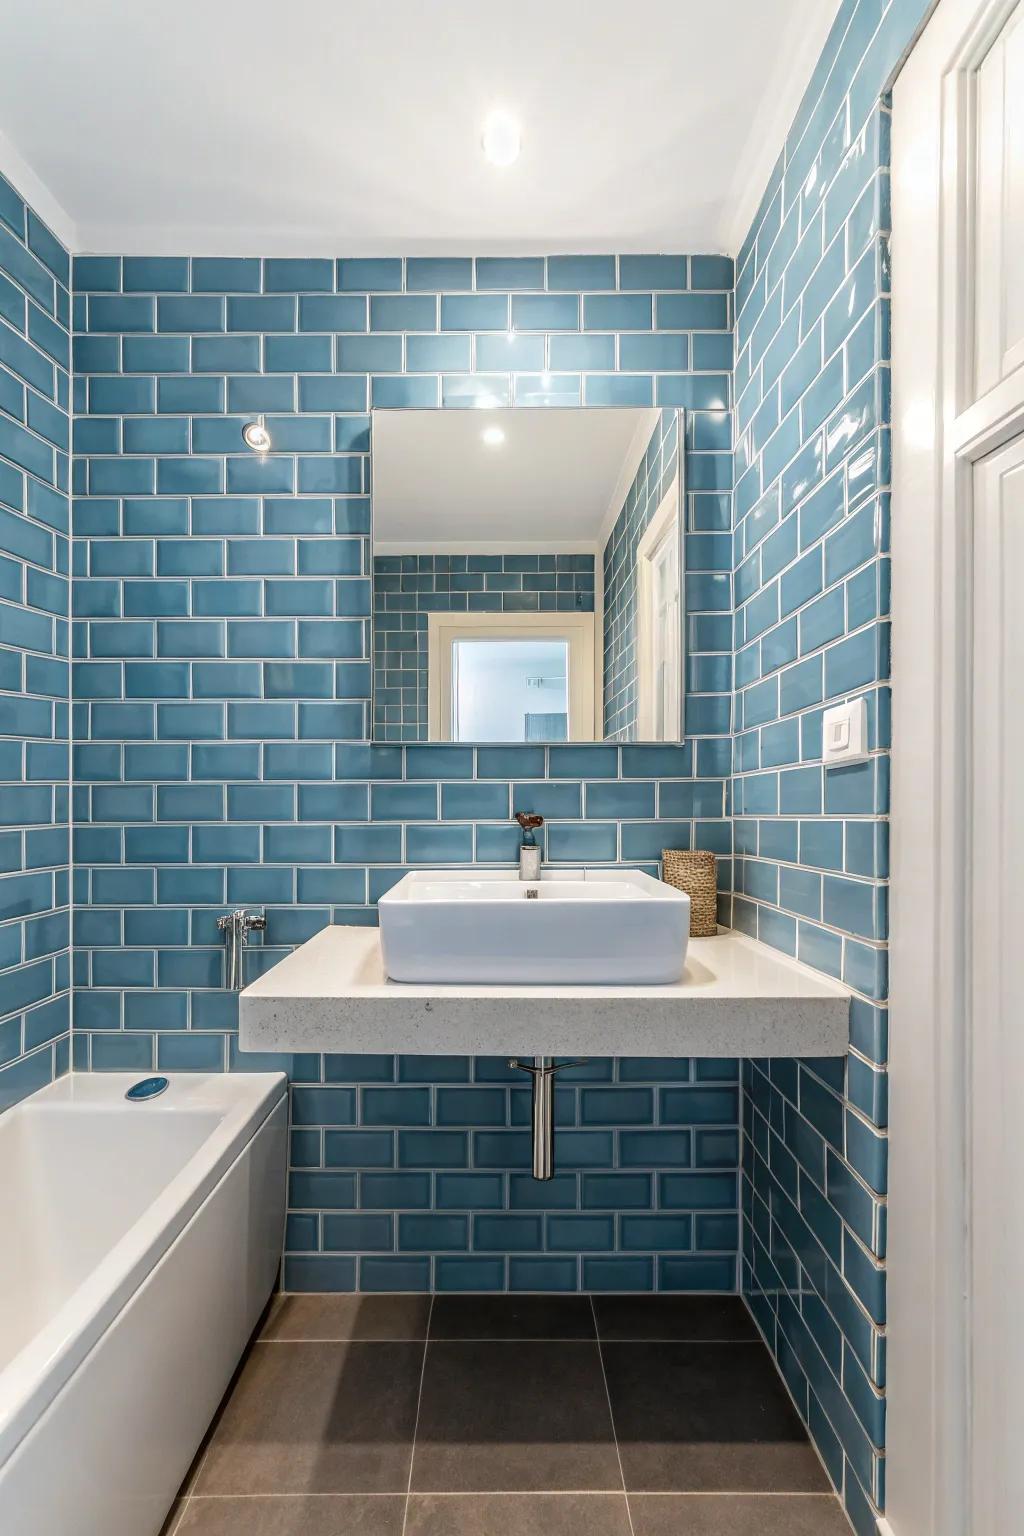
[543, 1070]
[236, 927]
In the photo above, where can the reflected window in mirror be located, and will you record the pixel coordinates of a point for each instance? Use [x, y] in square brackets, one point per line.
[510, 690]
[510, 677]
[510, 548]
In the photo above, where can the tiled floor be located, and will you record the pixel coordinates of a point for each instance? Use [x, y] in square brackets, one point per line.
[507, 1416]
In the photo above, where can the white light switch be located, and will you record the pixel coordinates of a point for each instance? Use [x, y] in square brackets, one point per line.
[844, 733]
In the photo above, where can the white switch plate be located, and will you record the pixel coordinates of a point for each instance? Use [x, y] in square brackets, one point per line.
[844, 733]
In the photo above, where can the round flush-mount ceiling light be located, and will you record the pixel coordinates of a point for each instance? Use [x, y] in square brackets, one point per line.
[256, 436]
[502, 137]
[492, 436]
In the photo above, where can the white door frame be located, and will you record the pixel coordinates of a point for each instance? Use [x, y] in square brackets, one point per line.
[667, 518]
[938, 433]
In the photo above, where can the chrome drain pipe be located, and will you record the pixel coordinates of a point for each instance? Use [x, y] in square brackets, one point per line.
[542, 1070]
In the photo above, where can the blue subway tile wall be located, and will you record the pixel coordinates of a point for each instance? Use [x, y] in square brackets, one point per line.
[222, 687]
[708, 572]
[406, 588]
[35, 895]
[811, 617]
[413, 1173]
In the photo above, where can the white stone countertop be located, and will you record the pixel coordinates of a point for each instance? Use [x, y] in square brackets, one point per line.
[738, 997]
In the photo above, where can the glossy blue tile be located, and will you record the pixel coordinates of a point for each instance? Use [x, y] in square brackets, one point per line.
[656, 353]
[618, 312]
[370, 274]
[505, 352]
[152, 274]
[545, 312]
[579, 273]
[190, 1053]
[96, 274]
[407, 312]
[580, 843]
[119, 313]
[652, 271]
[602, 389]
[509, 272]
[275, 313]
[654, 1149]
[474, 312]
[190, 314]
[332, 393]
[225, 274]
[438, 273]
[297, 274]
[222, 354]
[470, 1274]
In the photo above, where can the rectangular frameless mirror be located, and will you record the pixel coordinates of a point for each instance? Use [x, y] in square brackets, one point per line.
[528, 575]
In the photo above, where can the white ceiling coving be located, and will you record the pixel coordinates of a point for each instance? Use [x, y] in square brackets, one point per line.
[326, 126]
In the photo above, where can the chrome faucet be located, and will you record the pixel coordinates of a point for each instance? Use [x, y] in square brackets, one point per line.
[237, 925]
[529, 851]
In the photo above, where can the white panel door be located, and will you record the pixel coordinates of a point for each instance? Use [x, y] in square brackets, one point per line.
[996, 1046]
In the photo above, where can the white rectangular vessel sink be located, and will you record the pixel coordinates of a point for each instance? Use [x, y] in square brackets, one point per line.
[587, 927]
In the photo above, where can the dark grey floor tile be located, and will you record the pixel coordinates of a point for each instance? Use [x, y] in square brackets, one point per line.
[512, 1317]
[514, 1417]
[752, 1514]
[517, 1514]
[294, 1515]
[315, 1317]
[701, 1318]
[317, 1418]
[707, 1418]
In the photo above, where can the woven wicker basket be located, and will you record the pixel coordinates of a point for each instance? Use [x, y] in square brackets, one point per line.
[694, 873]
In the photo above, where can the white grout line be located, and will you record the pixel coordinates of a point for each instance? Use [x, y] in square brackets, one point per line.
[543, 1339]
[730, 1493]
[877, 1331]
[169, 1530]
[194, 1482]
[611, 1415]
[545, 1493]
[837, 1494]
[416, 1425]
[491, 1493]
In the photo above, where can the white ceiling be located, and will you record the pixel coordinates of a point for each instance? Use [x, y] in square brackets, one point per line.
[321, 126]
[557, 480]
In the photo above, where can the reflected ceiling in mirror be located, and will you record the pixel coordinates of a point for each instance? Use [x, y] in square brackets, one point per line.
[528, 575]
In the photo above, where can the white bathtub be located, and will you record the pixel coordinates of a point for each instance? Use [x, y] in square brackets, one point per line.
[138, 1246]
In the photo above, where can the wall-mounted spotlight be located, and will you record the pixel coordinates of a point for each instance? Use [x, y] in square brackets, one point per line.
[256, 436]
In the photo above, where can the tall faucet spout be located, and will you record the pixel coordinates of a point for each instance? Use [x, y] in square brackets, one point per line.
[529, 849]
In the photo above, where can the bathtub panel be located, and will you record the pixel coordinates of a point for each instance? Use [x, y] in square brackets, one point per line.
[125, 1428]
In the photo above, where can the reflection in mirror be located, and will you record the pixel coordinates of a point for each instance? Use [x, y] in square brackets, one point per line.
[527, 575]
[500, 687]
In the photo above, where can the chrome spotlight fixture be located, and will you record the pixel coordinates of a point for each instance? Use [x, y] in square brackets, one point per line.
[256, 436]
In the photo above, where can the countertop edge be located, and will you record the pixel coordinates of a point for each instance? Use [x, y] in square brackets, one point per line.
[730, 1027]
[386, 1017]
